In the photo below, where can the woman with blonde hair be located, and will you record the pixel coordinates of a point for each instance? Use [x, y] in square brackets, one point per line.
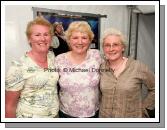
[79, 84]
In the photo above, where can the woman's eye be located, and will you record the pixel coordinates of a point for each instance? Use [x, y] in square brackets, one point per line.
[74, 38]
[37, 34]
[84, 38]
[115, 44]
[46, 34]
[107, 46]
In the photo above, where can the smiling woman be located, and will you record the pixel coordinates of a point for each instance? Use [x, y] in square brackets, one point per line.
[121, 87]
[57, 17]
[33, 93]
[79, 90]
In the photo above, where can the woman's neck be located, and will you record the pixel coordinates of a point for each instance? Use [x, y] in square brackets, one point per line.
[39, 58]
[77, 58]
[117, 63]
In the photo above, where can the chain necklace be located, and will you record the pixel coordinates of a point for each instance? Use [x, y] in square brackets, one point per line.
[118, 66]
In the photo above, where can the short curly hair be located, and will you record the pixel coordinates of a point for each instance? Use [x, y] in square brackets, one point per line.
[38, 21]
[113, 31]
[81, 26]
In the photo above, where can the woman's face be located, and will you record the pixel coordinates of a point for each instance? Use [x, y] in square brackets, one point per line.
[40, 38]
[59, 29]
[113, 48]
[79, 42]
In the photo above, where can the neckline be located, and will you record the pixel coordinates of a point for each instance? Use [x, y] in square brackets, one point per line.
[128, 62]
[118, 67]
[75, 64]
[35, 64]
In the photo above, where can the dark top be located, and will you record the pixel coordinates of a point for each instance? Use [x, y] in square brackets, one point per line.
[63, 47]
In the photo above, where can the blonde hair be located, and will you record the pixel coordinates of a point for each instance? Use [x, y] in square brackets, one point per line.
[80, 26]
[113, 31]
[38, 21]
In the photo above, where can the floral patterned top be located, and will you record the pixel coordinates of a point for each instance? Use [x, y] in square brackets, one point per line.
[37, 85]
[79, 84]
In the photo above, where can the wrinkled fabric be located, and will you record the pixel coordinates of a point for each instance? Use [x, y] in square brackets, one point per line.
[122, 96]
[38, 88]
[79, 84]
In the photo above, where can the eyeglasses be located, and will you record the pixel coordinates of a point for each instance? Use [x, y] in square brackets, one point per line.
[112, 45]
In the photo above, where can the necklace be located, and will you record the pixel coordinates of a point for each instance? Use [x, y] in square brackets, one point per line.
[118, 66]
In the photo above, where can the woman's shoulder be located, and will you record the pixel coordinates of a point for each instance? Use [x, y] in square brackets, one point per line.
[94, 51]
[19, 62]
[137, 63]
[61, 56]
[95, 54]
[51, 54]
[16, 66]
[16, 63]
[23, 61]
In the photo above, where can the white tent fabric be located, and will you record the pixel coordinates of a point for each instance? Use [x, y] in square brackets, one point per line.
[146, 40]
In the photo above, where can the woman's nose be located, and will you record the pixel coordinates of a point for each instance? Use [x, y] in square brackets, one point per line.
[111, 47]
[43, 38]
[79, 40]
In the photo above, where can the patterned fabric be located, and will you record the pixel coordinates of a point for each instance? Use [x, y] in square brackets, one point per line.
[37, 85]
[79, 84]
[122, 96]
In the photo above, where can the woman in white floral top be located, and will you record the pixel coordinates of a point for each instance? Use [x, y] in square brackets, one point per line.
[31, 90]
[79, 76]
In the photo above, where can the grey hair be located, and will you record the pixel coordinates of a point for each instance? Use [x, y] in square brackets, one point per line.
[113, 31]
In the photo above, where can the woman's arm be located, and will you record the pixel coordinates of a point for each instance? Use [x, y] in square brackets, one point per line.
[11, 101]
[149, 80]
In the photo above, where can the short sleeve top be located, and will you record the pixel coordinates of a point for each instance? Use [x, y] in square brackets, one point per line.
[79, 84]
[37, 85]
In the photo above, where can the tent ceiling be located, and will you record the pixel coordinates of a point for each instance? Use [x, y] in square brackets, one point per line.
[144, 9]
